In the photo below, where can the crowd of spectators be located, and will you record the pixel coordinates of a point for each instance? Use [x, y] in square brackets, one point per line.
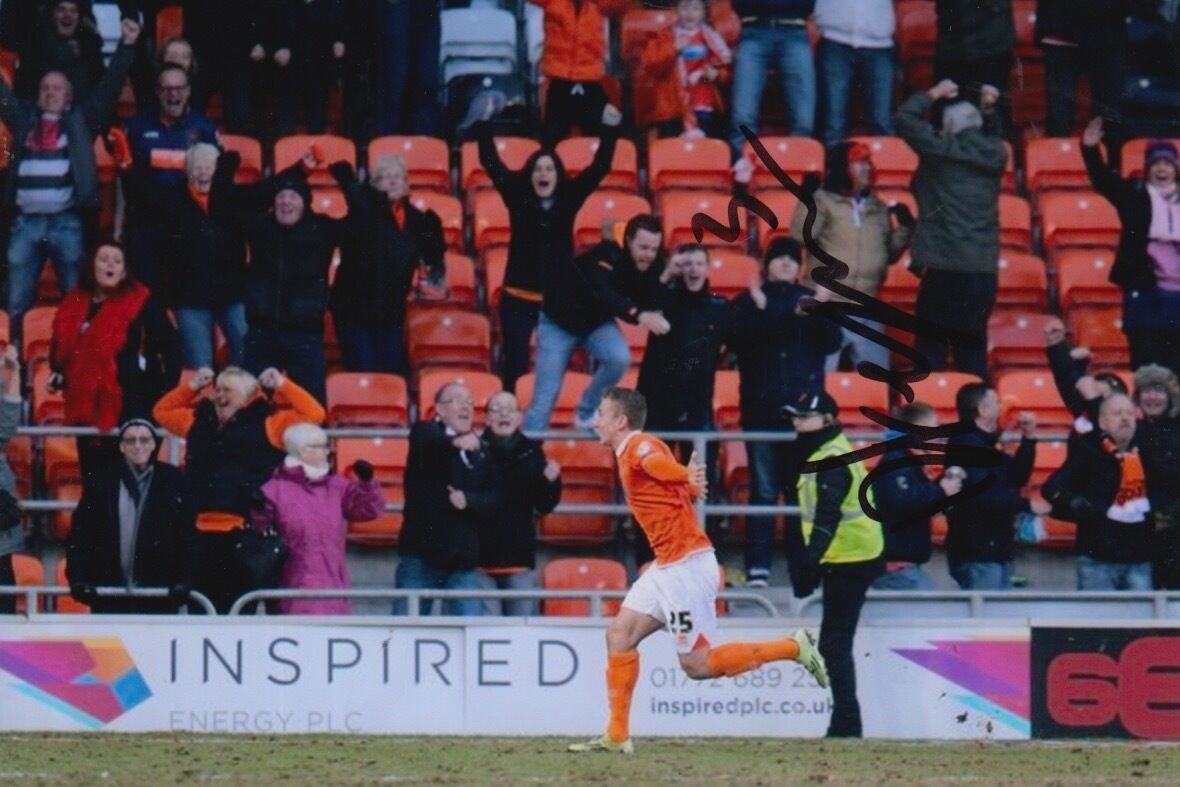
[201, 254]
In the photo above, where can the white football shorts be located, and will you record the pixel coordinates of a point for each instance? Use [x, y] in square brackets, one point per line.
[683, 595]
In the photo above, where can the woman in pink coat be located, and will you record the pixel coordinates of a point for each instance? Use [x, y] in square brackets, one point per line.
[311, 507]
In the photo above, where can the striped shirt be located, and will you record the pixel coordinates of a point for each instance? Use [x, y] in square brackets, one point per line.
[44, 183]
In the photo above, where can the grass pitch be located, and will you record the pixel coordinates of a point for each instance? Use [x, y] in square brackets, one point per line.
[338, 760]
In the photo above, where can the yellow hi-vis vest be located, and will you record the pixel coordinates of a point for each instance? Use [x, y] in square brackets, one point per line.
[859, 537]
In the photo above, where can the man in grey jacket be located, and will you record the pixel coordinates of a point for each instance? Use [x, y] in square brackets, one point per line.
[52, 188]
[956, 245]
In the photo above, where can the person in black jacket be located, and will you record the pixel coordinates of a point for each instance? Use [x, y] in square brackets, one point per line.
[542, 205]
[980, 532]
[451, 489]
[608, 282]
[1147, 263]
[309, 41]
[134, 528]
[781, 351]
[287, 286]
[1081, 391]
[1103, 489]
[1157, 393]
[904, 498]
[388, 240]
[65, 41]
[530, 486]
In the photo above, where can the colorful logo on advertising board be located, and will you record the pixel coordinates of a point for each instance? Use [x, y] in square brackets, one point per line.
[994, 673]
[92, 680]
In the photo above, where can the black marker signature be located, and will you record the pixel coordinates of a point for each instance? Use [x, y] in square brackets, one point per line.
[829, 274]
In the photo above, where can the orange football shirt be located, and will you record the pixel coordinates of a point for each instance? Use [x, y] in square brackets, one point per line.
[661, 497]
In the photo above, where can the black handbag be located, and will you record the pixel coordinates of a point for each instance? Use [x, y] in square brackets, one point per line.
[259, 557]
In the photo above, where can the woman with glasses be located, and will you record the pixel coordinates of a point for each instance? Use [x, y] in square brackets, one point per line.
[310, 507]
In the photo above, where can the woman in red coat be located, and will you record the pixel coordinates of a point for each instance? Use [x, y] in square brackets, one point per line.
[114, 351]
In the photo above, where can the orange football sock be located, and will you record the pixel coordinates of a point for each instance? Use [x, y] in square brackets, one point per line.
[622, 672]
[734, 658]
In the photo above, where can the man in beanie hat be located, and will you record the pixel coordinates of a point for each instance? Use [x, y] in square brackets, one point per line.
[844, 546]
[1147, 263]
[781, 351]
[853, 226]
[135, 527]
[957, 238]
[287, 290]
[1157, 392]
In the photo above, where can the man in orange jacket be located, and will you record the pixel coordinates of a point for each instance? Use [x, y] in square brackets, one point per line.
[574, 63]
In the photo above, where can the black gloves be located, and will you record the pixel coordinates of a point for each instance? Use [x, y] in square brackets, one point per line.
[343, 173]
[808, 580]
[362, 470]
[229, 161]
[811, 183]
[179, 593]
[1081, 508]
[902, 213]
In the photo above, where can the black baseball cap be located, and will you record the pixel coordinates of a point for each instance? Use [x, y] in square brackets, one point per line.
[814, 403]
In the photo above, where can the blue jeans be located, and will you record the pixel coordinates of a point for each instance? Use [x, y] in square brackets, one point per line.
[1100, 575]
[196, 334]
[841, 68]
[774, 473]
[35, 236]
[787, 50]
[415, 573]
[365, 349]
[982, 575]
[908, 578]
[607, 350]
[513, 607]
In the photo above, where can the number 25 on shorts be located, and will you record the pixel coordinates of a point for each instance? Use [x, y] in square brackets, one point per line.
[680, 622]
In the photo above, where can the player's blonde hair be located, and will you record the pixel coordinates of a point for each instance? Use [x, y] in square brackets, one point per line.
[630, 403]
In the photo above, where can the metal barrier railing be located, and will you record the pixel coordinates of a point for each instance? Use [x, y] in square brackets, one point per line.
[414, 597]
[977, 601]
[32, 593]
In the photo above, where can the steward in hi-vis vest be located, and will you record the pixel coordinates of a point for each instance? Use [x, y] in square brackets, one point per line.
[844, 548]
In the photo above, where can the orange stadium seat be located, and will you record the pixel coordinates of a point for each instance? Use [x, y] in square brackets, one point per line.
[581, 574]
[579, 529]
[583, 462]
[1034, 390]
[894, 161]
[679, 207]
[1024, 15]
[29, 573]
[367, 399]
[576, 154]
[250, 150]
[462, 287]
[897, 196]
[1049, 457]
[48, 408]
[900, 288]
[1133, 150]
[1015, 223]
[20, 458]
[37, 335]
[1080, 218]
[1023, 283]
[329, 202]
[428, 159]
[491, 224]
[1016, 339]
[169, 24]
[636, 338]
[449, 337]
[688, 164]
[730, 272]
[61, 460]
[495, 265]
[1083, 279]
[637, 25]
[573, 385]
[4, 328]
[735, 470]
[852, 391]
[727, 412]
[483, 386]
[782, 203]
[602, 209]
[64, 604]
[917, 31]
[939, 390]
[1102, 331]
[388, 458]
[62, 521]
[289, 150]
[1054, 163]
[450, 213]
[514, 151]
[796, 156]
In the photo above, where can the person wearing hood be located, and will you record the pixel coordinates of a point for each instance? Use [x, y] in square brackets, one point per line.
[843, 547]
[530, 486]
[134, 528]
[542, 205]
[905, 495]
[1157, 393]
[1147, 262]
[854, 226]
[291, 251]
[311, 507]
[781, 350]
[233, 441]
[1102, 487]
